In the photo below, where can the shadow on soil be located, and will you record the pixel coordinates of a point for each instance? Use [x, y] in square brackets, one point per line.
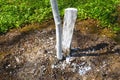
[90, 51]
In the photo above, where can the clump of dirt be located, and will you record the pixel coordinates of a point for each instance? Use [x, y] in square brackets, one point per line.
[31, 55]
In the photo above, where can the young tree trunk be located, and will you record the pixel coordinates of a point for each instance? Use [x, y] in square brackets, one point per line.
[68, 28]
[58, 28]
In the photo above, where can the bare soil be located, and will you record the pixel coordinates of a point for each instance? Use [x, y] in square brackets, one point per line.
[29, 54]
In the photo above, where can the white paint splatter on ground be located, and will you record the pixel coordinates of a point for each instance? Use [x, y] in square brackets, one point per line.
[82, 68]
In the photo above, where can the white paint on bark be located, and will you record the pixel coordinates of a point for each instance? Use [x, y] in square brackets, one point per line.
[58, 29]
[68, 28]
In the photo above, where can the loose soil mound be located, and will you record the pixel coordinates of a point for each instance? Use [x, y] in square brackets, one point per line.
[31, 55]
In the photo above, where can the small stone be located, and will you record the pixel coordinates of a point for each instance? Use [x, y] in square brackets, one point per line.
[83, 58]
[35, 64]
[15, 66]
[6, 67]
[9, 65]
[52, 66]
[74, 67]
[10, 72]
[51, 38]
[93, 51]
[63, 66]
[17, 59]
[68, 60]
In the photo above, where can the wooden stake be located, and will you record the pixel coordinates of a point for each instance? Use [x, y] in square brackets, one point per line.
[68, 27]
[58, 29]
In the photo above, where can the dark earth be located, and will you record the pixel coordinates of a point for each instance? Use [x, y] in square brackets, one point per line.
[28, 53]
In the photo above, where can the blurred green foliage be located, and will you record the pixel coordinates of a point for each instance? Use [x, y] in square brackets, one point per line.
[16, 13]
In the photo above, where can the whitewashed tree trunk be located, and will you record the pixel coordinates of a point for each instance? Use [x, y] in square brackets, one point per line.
[68, 28]
[58, 29]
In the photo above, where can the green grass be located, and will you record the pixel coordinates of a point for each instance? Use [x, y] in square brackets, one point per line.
[16, 13]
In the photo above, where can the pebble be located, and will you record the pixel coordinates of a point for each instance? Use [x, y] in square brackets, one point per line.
[9, 65]
[53, 66]
[17, 59]
[69, 59]
[51, 38]
[83, 58]
[63, 65]
[74, 67]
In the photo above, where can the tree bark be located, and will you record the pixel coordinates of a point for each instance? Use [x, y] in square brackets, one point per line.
[58, 29]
